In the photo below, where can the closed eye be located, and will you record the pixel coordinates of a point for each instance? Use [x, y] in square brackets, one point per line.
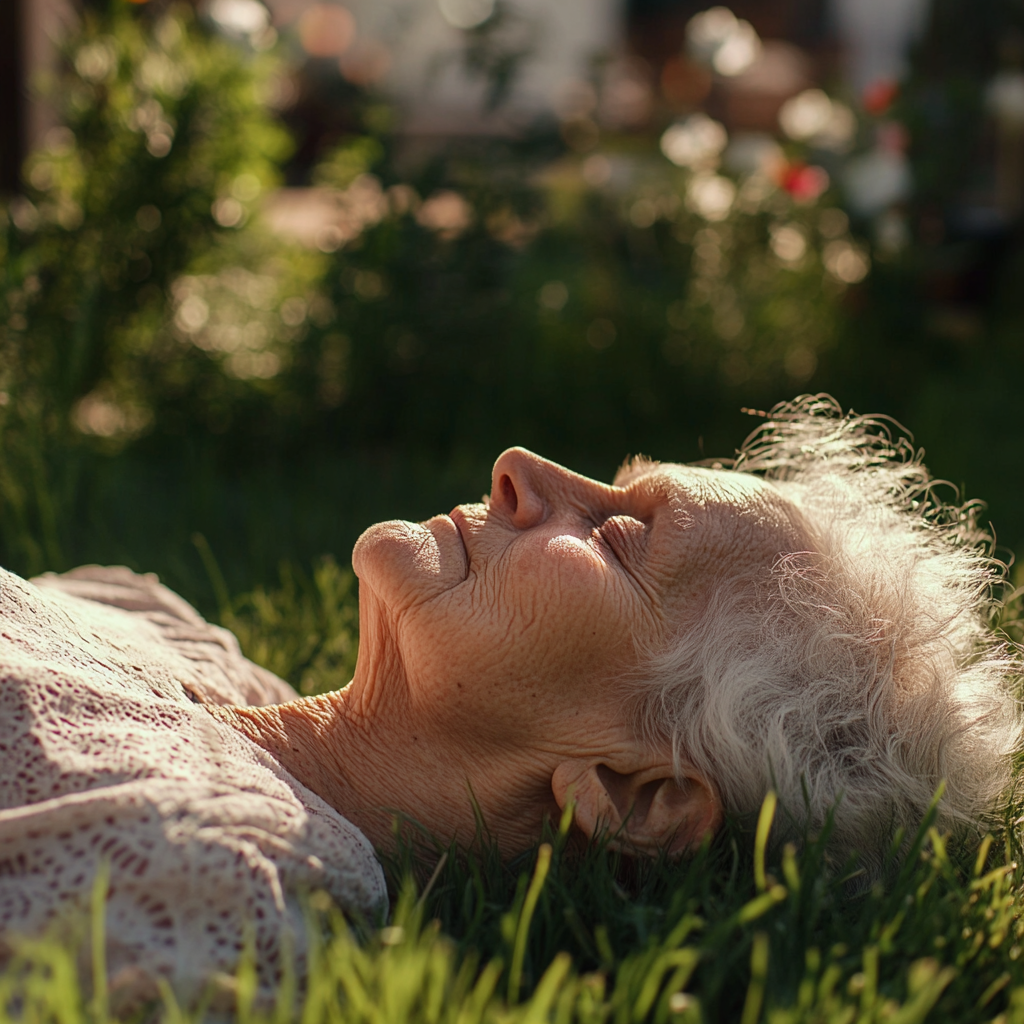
[625, 522]
[625, 535]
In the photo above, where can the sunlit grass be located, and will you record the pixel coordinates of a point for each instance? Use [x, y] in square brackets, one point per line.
[569, 937]
[304, 630]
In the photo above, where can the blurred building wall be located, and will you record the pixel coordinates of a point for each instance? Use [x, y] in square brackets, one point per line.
[46, 22]
[553, 46]
[875, 36]
[29, 35]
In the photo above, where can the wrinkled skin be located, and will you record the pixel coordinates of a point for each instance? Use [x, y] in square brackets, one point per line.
[494, 645]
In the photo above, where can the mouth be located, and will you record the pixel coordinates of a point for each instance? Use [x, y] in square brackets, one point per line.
[450, 535]
[458, 518]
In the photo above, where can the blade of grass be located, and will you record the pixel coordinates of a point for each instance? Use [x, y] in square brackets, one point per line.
[758, 976]
[764, 825]
[540, 874]
[100, 1004]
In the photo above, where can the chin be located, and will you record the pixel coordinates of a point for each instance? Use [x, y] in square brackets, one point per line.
[404, 562]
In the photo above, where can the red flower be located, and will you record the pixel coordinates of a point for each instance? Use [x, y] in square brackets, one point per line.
[804, 182]
[879, 96]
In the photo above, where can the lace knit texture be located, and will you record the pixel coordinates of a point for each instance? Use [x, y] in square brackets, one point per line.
[104, 756]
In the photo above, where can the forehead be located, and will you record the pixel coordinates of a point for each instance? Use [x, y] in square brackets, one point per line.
[698, 483]
[740, 511]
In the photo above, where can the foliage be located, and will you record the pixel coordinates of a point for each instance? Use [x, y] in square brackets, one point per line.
[585, 298]
[570, 936]
[305, 630]
[164, 140]
[609, 313]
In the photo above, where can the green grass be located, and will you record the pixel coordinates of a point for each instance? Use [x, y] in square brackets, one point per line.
[741, 931]
[588, 940]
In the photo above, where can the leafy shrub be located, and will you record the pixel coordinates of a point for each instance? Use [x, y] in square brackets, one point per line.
[164, 140]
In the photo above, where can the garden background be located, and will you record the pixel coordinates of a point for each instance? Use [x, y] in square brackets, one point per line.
[248, 309]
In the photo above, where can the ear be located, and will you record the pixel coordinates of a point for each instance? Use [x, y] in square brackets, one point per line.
[644, 811]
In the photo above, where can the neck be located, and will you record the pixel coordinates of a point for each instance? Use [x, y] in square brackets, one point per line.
[361, 751]
[332, 748]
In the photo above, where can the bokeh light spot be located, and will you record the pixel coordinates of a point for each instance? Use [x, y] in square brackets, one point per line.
[711, 196]
[326, 30]
[240, 17]
[788, 243]
[695, 142]
[553, 295]
[601, 334]
[466, 13]
[845, 261]
[717, 37]
[148, 217]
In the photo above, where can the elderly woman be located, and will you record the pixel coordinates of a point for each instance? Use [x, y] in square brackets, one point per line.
[659, 651]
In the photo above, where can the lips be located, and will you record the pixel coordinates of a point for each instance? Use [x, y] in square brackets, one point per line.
[459, 519]
[450, 558]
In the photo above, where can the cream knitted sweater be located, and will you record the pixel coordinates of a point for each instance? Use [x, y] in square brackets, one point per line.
[108, 755]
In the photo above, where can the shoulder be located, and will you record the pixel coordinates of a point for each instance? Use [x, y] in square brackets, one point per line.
[211, 663]
[105, 759]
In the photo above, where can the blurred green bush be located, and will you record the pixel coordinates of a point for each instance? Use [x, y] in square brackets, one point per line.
[163, 134]
[169, 365]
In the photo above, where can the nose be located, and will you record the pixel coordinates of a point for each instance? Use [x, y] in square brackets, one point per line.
[527, 488]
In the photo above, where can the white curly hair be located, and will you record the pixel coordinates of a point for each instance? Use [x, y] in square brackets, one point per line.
[855, 677]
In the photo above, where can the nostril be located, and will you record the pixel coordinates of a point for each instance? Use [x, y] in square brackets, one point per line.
[508, 493]
[519, 481]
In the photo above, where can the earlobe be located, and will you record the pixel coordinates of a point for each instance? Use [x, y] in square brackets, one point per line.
[644, 811]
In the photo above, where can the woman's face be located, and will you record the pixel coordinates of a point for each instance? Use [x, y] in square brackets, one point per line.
[514, 621]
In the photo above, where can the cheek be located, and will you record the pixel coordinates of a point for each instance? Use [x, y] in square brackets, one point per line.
[572, 560]
[547, 613]
[556, 588]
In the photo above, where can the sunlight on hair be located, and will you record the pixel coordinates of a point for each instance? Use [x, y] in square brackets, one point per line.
[861, 672]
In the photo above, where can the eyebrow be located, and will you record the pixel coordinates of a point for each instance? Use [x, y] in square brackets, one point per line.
[633, 467]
